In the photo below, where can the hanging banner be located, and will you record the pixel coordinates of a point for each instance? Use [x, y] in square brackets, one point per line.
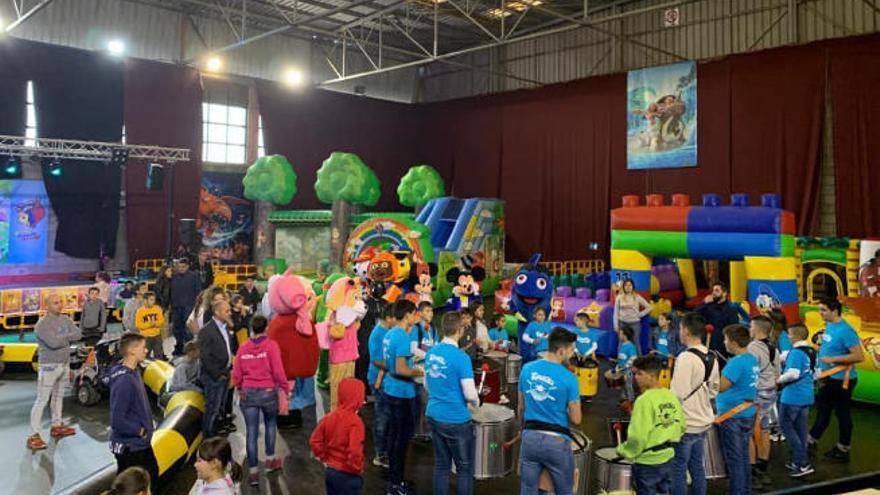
[24, 221]
[662, 117]
[226, 219]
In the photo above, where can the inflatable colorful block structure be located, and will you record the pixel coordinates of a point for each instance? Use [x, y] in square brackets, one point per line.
[758, 241]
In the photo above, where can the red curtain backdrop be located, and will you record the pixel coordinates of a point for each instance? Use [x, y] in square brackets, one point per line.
[557, 155]
[855, 79]
[306, 126]
[163, 107]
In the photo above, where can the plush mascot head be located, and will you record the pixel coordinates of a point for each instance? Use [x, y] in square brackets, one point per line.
[532, 288]
[381, 268]
[362, 263]
[346, 305]
[466, 281]
[290, 294]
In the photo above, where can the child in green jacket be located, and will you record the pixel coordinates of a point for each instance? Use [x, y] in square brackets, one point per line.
[657, 423]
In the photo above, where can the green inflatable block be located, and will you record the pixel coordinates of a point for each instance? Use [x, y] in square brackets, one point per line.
[655, 243]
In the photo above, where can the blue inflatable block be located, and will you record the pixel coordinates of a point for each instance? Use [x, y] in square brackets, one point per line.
[780, 291]
[641, 278]
[732, 246]
[734, 219]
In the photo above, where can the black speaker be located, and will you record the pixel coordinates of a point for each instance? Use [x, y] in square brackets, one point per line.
[189, 236]
[155, 176]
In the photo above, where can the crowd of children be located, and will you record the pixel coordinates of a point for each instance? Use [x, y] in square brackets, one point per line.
[761, 387]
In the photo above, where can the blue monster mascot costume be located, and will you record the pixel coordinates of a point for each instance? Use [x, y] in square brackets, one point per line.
[532, 289]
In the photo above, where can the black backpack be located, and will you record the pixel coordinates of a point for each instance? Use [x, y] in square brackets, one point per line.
[708, 360]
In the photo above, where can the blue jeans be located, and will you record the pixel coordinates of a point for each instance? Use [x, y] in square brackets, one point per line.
[253, 402]
[400, 431]
[735, 434]
[689, 458]
[453, 442]
[541, 451]
[652, 480]
[793, 420]
[215, 398]
[340, 483]
[381, 417]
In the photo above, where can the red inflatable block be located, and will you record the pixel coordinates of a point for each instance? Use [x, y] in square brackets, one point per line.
[655, 218]
[786, 221]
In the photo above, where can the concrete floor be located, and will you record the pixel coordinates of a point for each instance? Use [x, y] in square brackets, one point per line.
[85, 458]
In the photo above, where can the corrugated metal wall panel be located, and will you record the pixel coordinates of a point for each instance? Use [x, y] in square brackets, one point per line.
[708, 29]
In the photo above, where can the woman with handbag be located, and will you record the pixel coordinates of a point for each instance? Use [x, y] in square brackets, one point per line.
[262, 386]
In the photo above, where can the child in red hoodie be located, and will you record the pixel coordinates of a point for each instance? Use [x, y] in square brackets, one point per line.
[338, 441]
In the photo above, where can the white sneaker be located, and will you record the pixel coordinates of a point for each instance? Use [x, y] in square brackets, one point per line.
[802, 471]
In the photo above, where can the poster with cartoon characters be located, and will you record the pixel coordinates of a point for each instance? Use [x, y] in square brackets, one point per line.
[24, 221]
[226, 219]
[662, 117]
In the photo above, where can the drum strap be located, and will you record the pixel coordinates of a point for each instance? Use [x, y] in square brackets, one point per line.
[736, 410]
[836, 369]
[554, 428]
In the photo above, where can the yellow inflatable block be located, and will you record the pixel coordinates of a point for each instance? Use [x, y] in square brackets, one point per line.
[738, 281]
[157, 374]
[661, 306]
[655, 285]
[18, 352]
[626, 259]
[770, 268]
[187, 397]
[688, 277]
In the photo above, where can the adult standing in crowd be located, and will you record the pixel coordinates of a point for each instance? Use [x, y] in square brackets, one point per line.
[549, 399]
[720, 312]
[250, 294]
[162, 288]
[54, 333]
[205, 269]
[449, 379]
[185, 287]
[695, 381]
[131, 419]
[216, 360]
[841, 350]
[629, 309]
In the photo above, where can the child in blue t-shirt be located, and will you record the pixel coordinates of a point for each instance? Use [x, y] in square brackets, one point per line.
[537, 332]
[739, 387]
[661, 344]
[626, 354]
[796, 399]
[375, 376]
[587, 338]
[498, 340]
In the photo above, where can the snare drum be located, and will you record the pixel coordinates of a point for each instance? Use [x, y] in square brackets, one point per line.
[713, 458]
[580, 449]
[613, 474]
[499, 360]
[615, 379]
[514, 366]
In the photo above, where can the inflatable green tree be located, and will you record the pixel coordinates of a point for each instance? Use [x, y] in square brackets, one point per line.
[270, 181]
[421, 184]
[345, 180]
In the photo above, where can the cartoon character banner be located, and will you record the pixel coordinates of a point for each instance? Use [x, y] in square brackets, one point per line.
[225, 220]
[662, 117]
[24, 221]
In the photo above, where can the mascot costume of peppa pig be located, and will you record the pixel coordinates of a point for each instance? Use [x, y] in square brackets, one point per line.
[291, 300]
[339, 333]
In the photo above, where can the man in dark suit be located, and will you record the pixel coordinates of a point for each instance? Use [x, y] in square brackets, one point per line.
[250, 294]
[215, 344]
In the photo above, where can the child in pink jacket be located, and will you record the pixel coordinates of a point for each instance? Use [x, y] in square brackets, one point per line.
[258, 375]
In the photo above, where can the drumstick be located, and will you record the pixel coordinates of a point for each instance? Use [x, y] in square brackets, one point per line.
[483, 370]
[617, 427]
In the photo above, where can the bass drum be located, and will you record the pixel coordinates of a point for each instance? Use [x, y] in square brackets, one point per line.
[613, 475]
[495, 429]
[713, 458]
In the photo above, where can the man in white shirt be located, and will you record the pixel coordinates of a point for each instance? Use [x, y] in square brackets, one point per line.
[695, 381]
